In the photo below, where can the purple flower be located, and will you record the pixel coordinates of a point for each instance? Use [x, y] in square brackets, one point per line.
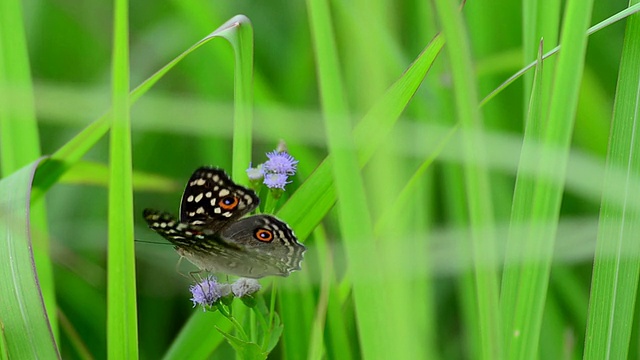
[275, 172]
[280, 163]
[275, 180]
[206, 293]
[245, 287]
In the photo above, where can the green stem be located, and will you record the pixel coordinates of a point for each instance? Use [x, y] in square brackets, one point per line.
[258, 311]
[272, 308]
[272, 200]
[226, 313]
[252, 327]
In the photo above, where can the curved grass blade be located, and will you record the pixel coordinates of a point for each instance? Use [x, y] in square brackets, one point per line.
[239, 32]
[23, 317]
[62, 160]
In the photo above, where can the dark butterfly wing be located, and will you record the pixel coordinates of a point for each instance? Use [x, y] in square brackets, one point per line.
[238, 250]
[269, 241]
[212, 201]
[182, 235]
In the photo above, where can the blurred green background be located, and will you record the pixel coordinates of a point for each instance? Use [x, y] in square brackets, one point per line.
[185, 121]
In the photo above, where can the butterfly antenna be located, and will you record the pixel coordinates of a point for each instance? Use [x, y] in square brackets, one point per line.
[151, 242]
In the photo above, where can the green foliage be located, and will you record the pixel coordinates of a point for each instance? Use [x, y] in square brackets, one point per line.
[454, 203]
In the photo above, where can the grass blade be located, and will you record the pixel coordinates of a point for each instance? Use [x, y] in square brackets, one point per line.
[616, 266]
[526, 282]
[524, 191]
[476, 178]
[355, 220]
[122, 315]
[19, 139]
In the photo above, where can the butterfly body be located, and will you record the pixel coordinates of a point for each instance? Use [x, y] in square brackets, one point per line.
[212, 234]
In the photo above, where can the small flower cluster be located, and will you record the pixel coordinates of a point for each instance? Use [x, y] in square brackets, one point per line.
[276, 170]
[209, 291]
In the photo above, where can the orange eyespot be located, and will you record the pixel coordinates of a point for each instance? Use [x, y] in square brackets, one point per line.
[264, 235]
[228, 202]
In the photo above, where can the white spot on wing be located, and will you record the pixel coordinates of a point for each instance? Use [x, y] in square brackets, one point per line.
[199, 197]
[224, 192]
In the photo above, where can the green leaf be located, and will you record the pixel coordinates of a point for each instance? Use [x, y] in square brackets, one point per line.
[244, 349]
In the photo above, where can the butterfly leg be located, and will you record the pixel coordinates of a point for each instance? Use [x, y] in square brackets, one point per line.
[191, 273]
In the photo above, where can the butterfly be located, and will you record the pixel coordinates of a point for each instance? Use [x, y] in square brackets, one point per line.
[213, 235]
